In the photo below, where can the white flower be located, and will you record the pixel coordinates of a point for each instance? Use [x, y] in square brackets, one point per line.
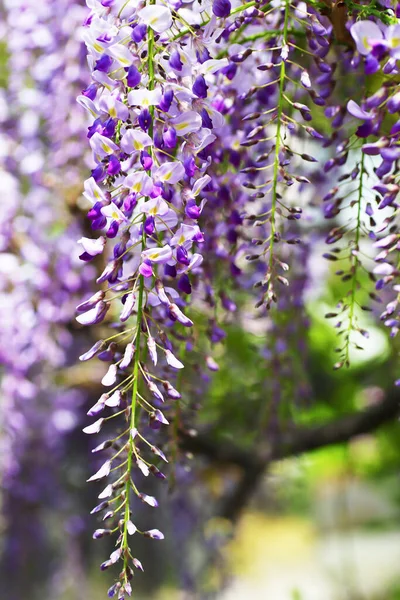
[187, 122]
[110, 377]
[93, 247]
[173, 361]
[102, 472]
[131, 528]
[145, 98]
[157, 17]
[94, 427]
[114, 400]
[150, 500]
[143, 467]
[106, 493]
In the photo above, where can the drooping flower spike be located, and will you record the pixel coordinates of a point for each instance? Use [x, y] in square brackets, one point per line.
[150, 144]
[200, 128]
[42, 162]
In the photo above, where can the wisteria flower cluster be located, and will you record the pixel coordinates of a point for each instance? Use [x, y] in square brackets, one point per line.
[40, 276]
[153, 122]
[216, 143]
[197, 116]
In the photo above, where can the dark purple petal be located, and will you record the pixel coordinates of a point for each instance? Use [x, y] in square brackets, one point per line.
[133, 76]
[221, 8]
[103, 64]
[200, 87]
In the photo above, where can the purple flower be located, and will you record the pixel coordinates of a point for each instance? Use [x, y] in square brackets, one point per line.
[358, 112]
[104, 63]
[175, 61]
[155, 534]
[133, 77]
[365, 34]
[200, 87]
[139, 32]
[94, 315]
[222, 8]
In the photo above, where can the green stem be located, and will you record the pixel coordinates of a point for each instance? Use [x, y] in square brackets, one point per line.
[278, 143]
[131, 447]
[355, 260]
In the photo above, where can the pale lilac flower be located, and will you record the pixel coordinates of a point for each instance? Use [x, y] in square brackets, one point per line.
[159, 416]
[177, 314]
[155, 534]
[114, 400]
[106, 493]
[110, 105]
[150, 500]
[138, 564]
[94, 315]
[102, 472]
[145, 97]
[356, 111]
[142, 467]
[151, 345]
[91, 303]
[93, 192]
[131, 528]
[185, 235]
[128, 356]
[135, 140]
[173, 361]
[186, 123]
[94, 427]
[139, 182]
[111, 211]
[93, 247]
[121, 54]
[155, 206]
[364, 34]
[392, 35]
[115, 556]
[110, 377]
[170, 172]
[158, 255]
[157, 17]
[102, 146]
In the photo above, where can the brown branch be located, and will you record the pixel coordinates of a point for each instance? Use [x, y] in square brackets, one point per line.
[298, 441]
[336, 11]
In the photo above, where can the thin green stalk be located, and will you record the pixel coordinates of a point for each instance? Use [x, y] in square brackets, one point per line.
[355, 260]
[131, 447]
[278, 142]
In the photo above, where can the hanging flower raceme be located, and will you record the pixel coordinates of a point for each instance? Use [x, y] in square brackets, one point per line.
[154, 121]
[350, 201]
[195, 116]
[379, 116]
[40, 276]
[270, 87]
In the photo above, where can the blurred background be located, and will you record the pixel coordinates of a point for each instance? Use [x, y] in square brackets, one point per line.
[323, 524]
[317, 524]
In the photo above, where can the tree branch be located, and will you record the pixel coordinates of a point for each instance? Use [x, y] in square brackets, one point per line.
[254, 463]
[298, 441]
